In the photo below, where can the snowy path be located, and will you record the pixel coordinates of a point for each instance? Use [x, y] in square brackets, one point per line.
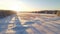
[11, 25]
[28, 24]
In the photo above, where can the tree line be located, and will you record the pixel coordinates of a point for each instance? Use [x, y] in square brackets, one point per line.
[4, 13]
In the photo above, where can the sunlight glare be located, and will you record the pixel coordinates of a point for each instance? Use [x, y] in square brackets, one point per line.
[17, 6]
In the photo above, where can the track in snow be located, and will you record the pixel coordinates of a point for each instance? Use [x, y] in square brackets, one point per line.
[16, 25]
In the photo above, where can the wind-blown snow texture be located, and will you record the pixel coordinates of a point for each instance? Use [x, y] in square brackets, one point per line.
[30, 24]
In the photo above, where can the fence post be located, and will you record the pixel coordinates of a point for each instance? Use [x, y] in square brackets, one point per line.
[58, 13]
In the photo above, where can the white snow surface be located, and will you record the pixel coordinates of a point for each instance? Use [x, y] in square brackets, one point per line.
[29, 23]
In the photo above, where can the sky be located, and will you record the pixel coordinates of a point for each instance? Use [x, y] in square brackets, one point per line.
[30, 5]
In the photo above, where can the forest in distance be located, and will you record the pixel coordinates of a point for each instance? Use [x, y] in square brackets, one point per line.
[4, 13]
[46, 11]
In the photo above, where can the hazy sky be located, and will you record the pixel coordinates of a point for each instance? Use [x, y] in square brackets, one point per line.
[30, 5]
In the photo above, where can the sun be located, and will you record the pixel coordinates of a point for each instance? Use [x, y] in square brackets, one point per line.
[15, 7]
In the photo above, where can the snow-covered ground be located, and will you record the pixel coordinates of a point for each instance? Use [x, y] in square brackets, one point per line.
[30, 23]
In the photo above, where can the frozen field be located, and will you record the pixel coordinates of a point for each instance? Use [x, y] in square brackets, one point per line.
[30, 23]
